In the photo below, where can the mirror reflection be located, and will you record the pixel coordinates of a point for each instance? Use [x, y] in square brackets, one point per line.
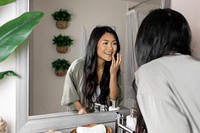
[93, 82]
[46, 89]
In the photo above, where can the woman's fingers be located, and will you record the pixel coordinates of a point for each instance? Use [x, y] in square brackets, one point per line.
[118, 60]
[116, 63]
[113, 60]
[82, 111]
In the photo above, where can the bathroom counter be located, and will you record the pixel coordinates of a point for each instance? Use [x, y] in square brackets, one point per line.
[66, 123]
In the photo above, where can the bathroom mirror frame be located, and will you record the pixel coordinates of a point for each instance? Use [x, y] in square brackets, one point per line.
[57, 121]
[42, 123]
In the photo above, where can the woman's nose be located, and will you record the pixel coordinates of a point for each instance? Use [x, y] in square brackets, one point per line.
[110, 46]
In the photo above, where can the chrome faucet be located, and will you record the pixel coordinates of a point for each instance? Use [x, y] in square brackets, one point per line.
[100, 107]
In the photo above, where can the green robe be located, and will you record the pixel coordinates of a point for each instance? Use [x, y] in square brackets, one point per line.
[74, 83]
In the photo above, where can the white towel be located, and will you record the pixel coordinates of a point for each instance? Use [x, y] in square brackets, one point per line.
[100, 128]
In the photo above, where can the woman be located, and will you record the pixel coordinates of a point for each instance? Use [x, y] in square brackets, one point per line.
[95, 78]
[168, 78]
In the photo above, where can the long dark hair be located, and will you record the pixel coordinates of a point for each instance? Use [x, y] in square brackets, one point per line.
[90, 69]
[162, 32]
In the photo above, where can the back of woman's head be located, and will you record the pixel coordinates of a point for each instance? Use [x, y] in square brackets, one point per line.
[162, 32]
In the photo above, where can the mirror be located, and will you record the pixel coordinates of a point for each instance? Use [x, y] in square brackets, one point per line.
[59, 119]
[45, 87]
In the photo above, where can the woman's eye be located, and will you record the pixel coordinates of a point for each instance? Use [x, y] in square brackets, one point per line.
[115, 43]
[105, 43]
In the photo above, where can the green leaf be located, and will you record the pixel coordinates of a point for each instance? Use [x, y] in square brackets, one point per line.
[15, 32]
[4, 2]
[7, 73]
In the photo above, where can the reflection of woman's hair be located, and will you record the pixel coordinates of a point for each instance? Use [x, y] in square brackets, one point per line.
[90, 69]
[162, 32]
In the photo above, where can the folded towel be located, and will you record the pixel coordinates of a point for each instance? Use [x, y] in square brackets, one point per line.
[100, 128]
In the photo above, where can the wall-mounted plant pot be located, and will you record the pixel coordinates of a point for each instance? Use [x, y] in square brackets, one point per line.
[60, 72]
[61, 49]
[61, 24]
[60, 66]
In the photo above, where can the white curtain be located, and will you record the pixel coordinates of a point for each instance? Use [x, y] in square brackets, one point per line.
[133, 20]
[83, 42]
[130, 60]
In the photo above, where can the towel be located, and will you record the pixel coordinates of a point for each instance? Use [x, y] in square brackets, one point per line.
[100, 128]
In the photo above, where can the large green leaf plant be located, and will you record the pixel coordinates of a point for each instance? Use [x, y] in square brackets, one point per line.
[4, 2]
[14, 33]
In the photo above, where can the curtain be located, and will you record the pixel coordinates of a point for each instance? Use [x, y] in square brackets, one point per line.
[130, 65]
[83, 42]
[133, 21]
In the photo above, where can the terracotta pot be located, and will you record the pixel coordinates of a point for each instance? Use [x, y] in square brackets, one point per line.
[61, 24]
[61, 49]
[60, 72]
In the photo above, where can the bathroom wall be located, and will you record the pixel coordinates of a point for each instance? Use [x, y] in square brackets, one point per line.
[190, 9]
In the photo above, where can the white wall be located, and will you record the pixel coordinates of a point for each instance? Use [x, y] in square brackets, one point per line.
[8, 84]
[190, 9]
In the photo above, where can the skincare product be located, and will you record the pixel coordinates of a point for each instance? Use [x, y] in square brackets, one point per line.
[131, 120]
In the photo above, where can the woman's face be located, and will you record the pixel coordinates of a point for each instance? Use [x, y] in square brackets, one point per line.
[106, 47]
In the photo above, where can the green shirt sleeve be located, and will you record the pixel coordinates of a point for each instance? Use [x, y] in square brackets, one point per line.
[73, 85]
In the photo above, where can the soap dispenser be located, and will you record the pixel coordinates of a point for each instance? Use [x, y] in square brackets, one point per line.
[131, 119]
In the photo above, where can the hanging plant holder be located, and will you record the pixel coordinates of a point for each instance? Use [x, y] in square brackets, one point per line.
[61, 49]
[61, 24]
[60, 66]
[60, 72]
[62, 18]
[62, 43]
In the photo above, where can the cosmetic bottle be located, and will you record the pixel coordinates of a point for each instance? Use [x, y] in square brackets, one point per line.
[131, 120]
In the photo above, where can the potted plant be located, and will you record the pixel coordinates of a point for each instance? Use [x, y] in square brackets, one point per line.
[62, 43]
[14, 33]
[61, 66]
[62, 18]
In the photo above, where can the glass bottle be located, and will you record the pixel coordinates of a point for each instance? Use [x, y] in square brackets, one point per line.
[131, 120]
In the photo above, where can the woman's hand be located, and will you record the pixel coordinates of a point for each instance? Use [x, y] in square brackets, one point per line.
[115, 64]
[82, 111]
[79, 107]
